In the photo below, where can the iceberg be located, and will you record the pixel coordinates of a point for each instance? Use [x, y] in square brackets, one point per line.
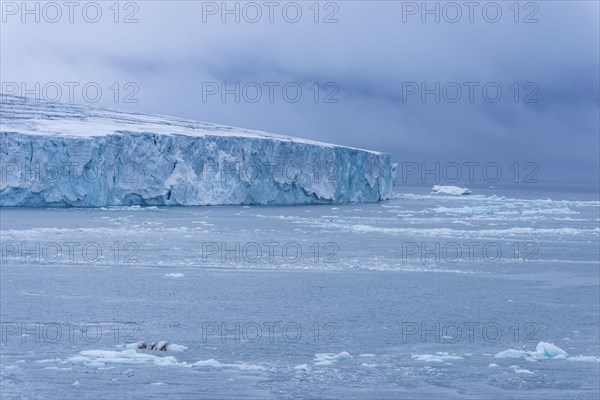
[550, 350]
[543, 351]
[437, 189]
[61, 155]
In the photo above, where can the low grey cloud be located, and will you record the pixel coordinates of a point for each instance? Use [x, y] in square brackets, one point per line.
[374, 58]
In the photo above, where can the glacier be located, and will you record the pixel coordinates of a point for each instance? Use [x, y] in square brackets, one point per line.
[62, 155]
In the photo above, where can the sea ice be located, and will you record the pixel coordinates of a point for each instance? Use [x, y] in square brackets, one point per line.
[544, 350]
[331, 358]
[455, 190]
[439, 357]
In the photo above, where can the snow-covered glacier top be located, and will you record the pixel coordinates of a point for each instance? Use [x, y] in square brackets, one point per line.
[57, 154]
[23, 115]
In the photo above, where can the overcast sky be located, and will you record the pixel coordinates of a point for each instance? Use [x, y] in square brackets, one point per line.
[370, 60]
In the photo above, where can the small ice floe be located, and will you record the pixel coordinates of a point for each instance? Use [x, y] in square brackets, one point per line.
[439, 357]
[544, 350]
[175, 275]
[455, 190]
[76, 383]
[366, 355]
[101, 358]
[212, 363]
[331, 358]
[523, 371]
[209, 363]
[50, 360]
[492, 365]
[302, 367]
[584, 358]
[511, 353]
[176, 348]
[367, 365]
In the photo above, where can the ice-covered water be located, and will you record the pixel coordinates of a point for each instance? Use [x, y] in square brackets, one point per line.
[492, 295]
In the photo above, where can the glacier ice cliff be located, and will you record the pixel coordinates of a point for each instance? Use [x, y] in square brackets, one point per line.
[62, 155]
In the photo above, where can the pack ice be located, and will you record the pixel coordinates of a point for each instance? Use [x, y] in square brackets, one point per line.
[71, 155]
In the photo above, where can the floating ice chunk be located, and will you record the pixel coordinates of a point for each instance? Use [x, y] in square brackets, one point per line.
[76, 383]
[550, 211]
[544, 350]
[302, 367]
[96, 364]
[175, 275]
[208, 363]
[492, 365]
[524, 371]
[99, 358]
[455, 190]
[511, 353]
[331, 358]
[584, 358]
[475, 210]
[165, 361]
[368, 365]
[50, 360]
[212, 363]
[549, 350]
[439, 357]
[176, 348]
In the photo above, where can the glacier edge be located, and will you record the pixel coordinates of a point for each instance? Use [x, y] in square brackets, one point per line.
[158, 167]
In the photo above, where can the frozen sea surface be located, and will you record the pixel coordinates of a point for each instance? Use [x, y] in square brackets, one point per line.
[492, 295]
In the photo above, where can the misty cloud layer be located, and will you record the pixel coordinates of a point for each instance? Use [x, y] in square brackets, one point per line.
[367, 66]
